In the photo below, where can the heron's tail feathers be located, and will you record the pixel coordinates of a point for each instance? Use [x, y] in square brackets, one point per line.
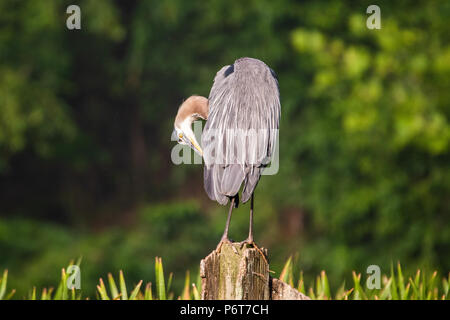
[251, 180]
[223, 182]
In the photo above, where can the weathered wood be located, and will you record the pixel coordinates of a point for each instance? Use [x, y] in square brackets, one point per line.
[280, 290]
[241, 274]
[235, 274]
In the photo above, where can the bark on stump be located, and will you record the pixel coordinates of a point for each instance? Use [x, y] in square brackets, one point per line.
[242, 274]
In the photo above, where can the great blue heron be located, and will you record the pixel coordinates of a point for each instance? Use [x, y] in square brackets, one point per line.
[242, 113]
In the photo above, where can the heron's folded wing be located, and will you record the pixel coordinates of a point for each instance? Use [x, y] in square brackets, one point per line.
[239, 136]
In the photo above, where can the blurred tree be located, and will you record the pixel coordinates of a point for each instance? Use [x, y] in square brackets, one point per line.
[371, 138]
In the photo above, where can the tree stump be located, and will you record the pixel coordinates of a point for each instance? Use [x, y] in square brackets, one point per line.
[242, 274]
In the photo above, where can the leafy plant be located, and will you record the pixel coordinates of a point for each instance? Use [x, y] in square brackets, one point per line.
[162, 288]
[422, 286]
[115, 294]
[396, 286]
[3, 283]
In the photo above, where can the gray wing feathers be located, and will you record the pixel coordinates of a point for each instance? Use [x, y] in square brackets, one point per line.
[250, 183]
[239, 137]
[222, 182]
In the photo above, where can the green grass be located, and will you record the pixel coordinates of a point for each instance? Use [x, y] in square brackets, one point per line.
[395, 286]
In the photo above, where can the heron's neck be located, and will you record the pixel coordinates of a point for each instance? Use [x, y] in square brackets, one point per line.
[194, 108]
[186, 126]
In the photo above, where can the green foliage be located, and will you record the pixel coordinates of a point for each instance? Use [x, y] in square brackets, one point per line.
[365, 137]
[34, 247]
[62, 291]
[395, 287]
[422, 286]
[123, 295]
[3, 283]
[86, 118]
[159, 272]
[34, 115]
[163, 291]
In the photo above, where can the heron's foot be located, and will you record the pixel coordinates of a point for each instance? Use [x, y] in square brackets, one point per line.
[251, 243]
[228, 241]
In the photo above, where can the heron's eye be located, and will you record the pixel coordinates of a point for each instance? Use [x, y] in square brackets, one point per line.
[180, 135]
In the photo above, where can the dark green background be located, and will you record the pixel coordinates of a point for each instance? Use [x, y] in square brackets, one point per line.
[86, 117]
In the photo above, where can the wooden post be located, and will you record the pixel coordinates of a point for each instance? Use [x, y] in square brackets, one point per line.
[242, 274]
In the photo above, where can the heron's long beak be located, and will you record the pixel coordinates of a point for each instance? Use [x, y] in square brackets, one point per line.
[195, 146]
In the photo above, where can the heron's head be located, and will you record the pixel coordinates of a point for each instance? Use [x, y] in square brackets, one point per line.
[194, 108]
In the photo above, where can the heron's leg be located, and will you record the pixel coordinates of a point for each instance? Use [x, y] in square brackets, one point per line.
[225, 232]
[250, 228]
[249, 240]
